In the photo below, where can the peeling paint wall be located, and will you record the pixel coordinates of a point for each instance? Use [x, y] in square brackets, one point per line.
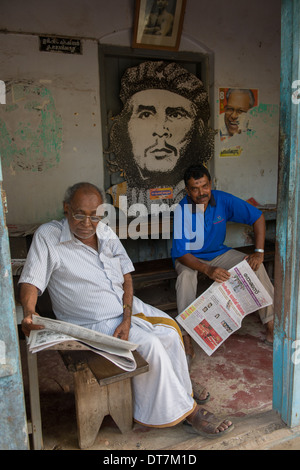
[31, 129]
[50, 130]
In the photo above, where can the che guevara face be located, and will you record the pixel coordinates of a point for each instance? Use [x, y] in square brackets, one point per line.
[160, 129]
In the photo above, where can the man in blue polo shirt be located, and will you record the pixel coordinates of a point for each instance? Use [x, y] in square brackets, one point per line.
[207, 253]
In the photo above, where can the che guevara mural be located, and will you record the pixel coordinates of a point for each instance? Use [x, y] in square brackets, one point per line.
[161, 130]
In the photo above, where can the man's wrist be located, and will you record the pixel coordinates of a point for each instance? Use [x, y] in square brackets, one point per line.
[259, 250]
[28, 312]
[127, 309]
[206, 269]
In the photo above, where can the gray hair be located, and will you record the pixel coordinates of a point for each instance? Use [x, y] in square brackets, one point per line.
[245, 91]
[70, 192]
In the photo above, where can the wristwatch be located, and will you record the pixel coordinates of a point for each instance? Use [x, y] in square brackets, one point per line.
[127, 306]
[259, 250]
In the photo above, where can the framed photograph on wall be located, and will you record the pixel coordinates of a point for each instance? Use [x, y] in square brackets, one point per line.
[158, 24]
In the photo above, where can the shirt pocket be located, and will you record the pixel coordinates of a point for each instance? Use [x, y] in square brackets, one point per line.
[112, 267]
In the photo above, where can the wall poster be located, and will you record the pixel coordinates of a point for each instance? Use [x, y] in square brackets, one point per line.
[162, 129]
[234, 118]
[158, 24]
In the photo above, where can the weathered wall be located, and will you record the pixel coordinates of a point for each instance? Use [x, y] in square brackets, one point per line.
[50, 126]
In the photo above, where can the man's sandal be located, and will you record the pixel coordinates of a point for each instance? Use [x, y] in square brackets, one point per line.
[205, 423]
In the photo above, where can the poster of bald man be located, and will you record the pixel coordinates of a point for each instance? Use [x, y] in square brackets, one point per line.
[235, 127]
[161, 130]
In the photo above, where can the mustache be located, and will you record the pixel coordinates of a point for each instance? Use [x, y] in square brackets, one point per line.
[165, 148]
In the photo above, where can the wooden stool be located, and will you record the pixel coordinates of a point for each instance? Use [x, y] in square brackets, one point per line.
[101, 388]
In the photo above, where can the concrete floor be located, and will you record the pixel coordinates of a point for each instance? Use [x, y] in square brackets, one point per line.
[238, 376]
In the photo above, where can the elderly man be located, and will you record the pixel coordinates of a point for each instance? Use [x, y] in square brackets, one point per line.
[87, 272]
[212, 257]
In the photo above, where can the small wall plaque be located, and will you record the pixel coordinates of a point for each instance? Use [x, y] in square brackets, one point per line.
[65, 45]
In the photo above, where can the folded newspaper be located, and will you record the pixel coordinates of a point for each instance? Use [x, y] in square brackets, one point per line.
[56, 332]
[219, 311]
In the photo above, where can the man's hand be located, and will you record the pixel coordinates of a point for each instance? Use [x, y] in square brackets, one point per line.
[27, 324]
[122, 331]
[213, 272]
[28, 297]
[255, 260]
[217, 274]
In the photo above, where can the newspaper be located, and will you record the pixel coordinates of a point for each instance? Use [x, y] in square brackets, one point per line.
[56, 332]
[219, 311]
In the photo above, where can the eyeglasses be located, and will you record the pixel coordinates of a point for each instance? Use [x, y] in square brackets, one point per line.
[81, 217]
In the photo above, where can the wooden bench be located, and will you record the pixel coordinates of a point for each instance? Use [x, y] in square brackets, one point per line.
[153, 270]
[101, 388]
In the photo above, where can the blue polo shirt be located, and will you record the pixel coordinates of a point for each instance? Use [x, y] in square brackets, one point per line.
[222, 208]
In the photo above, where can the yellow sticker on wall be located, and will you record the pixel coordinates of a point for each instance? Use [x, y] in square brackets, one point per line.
[161, 193]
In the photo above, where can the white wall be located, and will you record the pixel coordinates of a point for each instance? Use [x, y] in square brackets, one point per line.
[244, 39]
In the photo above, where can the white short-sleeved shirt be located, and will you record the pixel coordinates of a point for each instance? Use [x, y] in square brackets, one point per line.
[85, 286]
